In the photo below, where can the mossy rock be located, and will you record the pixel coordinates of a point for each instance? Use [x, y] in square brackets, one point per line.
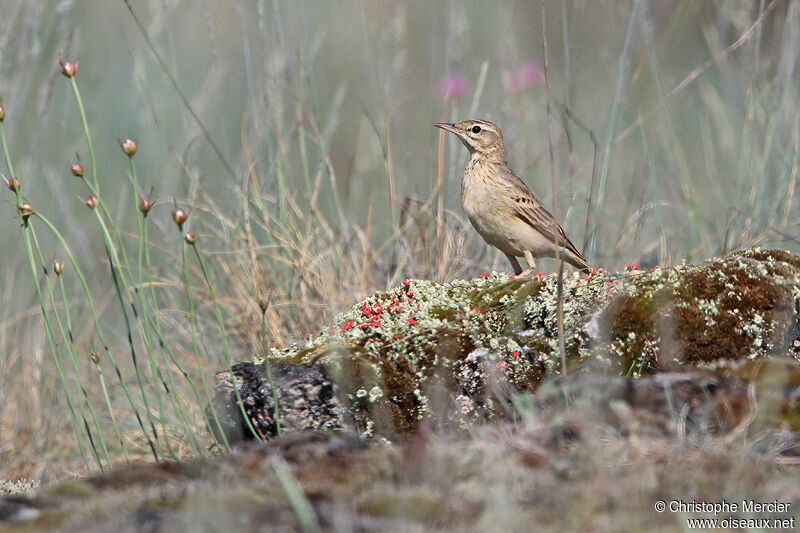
[457, 352]
[741, 307]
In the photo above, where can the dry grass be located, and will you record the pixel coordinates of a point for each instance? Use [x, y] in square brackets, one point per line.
[597, 463]
[330, 182]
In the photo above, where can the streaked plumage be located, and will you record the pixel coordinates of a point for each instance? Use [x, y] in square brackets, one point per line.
[501, 207]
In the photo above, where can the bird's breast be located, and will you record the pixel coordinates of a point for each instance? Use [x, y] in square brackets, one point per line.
[479, 192]
[482, 199]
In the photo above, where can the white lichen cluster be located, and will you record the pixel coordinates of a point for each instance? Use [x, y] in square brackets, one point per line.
[743, 280]
[708, 307]
[477, 330]
[18, 486]
[581, 296]
[498, 329]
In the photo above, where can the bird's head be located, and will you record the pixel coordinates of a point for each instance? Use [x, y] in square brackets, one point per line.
[479, 136]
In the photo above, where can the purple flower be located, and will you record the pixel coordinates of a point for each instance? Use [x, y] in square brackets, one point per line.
[453, 86]
[524, 77]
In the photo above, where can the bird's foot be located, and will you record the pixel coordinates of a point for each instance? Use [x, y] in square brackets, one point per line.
[527, 272]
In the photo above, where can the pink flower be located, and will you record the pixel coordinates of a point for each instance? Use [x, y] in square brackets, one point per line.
[453, 86]
[524, 77]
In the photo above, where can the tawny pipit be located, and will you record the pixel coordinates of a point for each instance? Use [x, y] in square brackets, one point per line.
[501, 207]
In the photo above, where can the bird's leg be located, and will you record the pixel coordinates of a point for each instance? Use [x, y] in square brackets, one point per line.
[531, 265]
[514, 264]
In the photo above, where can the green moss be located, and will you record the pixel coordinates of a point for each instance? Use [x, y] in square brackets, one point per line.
[491, 296]
[393, 353]
[631, 324]
[72, 489]
[414, 342]
[738, 307]
[441, 312]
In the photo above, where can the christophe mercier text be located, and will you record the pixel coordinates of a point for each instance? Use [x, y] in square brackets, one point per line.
[724, 506]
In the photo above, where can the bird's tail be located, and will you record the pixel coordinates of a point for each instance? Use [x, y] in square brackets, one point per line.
[577, 260]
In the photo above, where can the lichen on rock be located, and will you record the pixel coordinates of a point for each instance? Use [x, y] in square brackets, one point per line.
[743, 306]
[447, 351]
[459, 352]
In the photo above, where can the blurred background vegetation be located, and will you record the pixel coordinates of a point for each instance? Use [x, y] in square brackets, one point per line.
[299, 137]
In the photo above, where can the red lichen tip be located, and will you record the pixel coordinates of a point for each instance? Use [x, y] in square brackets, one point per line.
[189, 238]
[129, 147]
[68, 68]
[91, 201]
[14, 184]
[94, 357]
[77, 170]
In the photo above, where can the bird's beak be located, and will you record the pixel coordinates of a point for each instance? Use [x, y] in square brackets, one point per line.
[448, 127]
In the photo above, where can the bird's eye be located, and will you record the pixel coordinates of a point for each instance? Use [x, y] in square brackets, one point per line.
[476, 129]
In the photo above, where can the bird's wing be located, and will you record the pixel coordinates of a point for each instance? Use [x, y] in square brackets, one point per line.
[530, 210]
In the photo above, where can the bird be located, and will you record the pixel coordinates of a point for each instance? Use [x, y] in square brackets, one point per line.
[501, 207]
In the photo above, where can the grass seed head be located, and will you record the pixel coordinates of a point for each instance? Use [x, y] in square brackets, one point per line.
[179, 216]
[129, 147]
[26, 210]
[68, 68]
